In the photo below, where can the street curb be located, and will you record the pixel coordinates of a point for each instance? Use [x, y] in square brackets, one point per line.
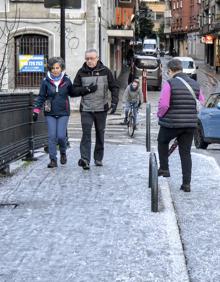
[179, 267]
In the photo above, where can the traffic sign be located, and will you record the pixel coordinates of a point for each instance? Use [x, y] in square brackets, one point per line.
[67, 4]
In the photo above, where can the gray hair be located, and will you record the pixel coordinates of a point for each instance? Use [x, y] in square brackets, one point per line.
[91, 50]
[55, 60]
[175, 65]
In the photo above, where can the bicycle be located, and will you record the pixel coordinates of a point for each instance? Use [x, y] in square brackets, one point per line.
[131, 120]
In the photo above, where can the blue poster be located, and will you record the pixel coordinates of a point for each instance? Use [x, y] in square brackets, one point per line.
[31, 63]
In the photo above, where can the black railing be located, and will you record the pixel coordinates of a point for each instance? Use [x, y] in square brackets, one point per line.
[153, 181]
[19, 136]
[148, 121]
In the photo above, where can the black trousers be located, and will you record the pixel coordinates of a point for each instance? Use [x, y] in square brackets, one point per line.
[185, 138]
[87, 121]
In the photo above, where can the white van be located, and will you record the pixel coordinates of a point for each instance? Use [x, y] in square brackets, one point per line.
[189, 66]
[150, 47]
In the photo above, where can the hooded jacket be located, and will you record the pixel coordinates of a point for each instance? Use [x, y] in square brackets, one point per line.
[103, 78]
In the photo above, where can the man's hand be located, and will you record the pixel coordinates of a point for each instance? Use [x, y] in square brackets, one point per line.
[89, 89]
[113, 109]
[35, 116]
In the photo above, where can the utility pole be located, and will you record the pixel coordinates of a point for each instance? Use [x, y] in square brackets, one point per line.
[137, 5]
[137, 14]
[100, 28]
[62, 30]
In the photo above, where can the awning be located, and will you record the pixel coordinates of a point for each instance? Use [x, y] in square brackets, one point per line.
[121, 33]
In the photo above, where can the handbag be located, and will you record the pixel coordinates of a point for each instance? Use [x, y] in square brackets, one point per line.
[47, 106]
[198, 104]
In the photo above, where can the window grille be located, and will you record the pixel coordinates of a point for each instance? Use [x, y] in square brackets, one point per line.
[30, 44]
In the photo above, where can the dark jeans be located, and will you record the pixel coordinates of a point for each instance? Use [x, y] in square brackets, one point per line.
[87, 120]
[185, 138]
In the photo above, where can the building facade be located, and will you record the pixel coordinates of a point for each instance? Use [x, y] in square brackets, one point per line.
[210, 31]
[31, 32]
[182, 28]
[157, 9]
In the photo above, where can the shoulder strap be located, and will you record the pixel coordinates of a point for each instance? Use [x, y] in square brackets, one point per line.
[187, 86]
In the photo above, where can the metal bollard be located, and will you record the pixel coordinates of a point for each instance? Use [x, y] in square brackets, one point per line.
[148, 122]
[144, 84]
[153, 182]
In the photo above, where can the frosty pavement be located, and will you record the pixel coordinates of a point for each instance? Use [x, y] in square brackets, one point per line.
[67, 224]
[198, 215]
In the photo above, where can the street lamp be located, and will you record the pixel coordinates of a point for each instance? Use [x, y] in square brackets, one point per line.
[100, 27]
[62, 31]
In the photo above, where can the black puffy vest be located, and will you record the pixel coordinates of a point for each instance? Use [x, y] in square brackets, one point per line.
[182, 111]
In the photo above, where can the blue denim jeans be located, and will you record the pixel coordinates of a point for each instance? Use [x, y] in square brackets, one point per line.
[127, 107]
[57, 127]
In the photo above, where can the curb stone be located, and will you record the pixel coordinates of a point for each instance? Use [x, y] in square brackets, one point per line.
[180, 272]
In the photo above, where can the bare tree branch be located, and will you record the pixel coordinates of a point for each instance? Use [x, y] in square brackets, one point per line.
[7, 33]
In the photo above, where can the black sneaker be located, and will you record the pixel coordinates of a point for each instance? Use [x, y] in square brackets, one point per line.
[63, 159]
[84, 164]
[163, 172]
[52, 164]
[98, 163]
[185, 187]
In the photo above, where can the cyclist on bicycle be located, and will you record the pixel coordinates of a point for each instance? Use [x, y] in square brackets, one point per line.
[132, 95]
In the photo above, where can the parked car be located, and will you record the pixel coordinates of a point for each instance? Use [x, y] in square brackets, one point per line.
[153, 67]
[208, 130]
[189, 66]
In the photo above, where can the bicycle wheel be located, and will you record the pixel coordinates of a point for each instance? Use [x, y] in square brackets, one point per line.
[131, 126]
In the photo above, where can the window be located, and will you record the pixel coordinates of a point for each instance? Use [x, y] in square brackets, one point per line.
[188, 65]
[159, 16]
[30, 44]
[146, 63]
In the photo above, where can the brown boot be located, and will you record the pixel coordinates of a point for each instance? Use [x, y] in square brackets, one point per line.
[63, 159]
[52, 164]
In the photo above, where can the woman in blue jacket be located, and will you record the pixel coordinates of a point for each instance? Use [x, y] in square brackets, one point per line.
[54, 94]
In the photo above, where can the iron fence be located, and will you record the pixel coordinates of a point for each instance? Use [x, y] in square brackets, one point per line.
[19, 135]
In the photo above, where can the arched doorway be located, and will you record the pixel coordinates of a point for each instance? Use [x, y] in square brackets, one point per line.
[30, 44]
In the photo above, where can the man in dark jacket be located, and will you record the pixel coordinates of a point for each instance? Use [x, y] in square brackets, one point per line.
[94, 107]
[177, 119]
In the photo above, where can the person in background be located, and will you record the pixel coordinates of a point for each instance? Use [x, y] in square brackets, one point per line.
[174, 53]
[94, 108]
[129, 56]
[54, 95]
[177, 115]
[132, 95]
[131, 75]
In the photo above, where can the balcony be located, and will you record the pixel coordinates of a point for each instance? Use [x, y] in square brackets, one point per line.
[123, 16]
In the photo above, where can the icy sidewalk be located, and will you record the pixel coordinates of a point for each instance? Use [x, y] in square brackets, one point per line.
[198, 214]
[88, 226]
